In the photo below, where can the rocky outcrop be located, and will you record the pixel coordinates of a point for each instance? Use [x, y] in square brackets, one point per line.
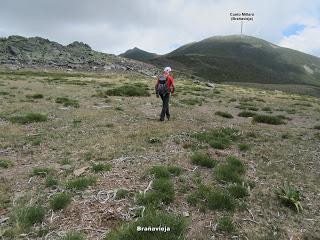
[19, 52]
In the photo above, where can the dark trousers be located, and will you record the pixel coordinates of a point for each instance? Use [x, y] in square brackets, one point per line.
[165, 106]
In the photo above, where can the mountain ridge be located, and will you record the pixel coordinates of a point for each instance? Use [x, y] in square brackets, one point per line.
[241, 58]
[35, 52]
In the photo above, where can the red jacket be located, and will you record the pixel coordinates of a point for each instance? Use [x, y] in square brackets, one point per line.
[170, 83]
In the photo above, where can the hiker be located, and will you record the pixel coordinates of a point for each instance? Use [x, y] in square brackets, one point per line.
[165, 86]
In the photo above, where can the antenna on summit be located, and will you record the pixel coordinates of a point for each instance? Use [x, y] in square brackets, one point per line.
[244, 16]
[241, 27]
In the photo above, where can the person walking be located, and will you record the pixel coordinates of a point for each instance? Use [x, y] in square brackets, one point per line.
[164, 87]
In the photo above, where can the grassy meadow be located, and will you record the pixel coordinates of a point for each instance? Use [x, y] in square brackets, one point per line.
[84, 156]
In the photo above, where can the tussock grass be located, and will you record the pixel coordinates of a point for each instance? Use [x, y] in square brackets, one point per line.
[4, 163]
[25, 217]
[202, 159]
[73, 236]
[101, 167]
[214, 199]
[223, 114]
[246, 114]
[266, 109]
[41, 171]
[28, 118]
[159, 218]
[231, 171]
[121, 193]
[268, 119]
[218, 138]
[35, 96]
[317, 127]
[238, 191]
[81, 183]
[60, 201]
[243, 147]
[164, 171]
[225, 224]
[67, 102]
[162, 191]
[220, 200]
[130, 90]
[51, 181]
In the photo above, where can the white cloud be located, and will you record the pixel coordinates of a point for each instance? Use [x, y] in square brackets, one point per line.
[153, 25]
[307, 40]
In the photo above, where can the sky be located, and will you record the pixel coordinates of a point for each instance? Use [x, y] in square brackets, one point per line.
[161, 26]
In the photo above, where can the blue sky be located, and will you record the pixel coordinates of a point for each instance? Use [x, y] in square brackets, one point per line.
[161, 25]
[293, 29]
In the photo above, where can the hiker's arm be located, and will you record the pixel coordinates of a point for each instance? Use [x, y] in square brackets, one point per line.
[172, 85]
[156, 86]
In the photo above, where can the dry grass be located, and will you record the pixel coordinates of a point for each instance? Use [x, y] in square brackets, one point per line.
[97, 133]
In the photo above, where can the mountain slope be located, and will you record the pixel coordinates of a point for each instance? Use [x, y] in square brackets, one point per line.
[37, 52]
[243, 59]
[138, 54]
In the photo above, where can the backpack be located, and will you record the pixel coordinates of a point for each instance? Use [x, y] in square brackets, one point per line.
[162, 86]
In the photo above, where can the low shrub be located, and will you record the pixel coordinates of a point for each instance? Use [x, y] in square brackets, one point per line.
[202, 159]
[223, 114]
[60, 201]
[28, 118]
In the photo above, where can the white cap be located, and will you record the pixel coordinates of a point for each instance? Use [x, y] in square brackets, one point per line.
[167, 69]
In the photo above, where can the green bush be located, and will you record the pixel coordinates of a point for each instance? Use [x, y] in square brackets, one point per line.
[243, 147]
[153, 219]
[35, 96]
[225, 224]
[317, 127]
[60, 201]
[73, 236]
[246, 114]
[164, 171]
[238, 191]
[51, 181]
[274, 120]
[231, 171]
[290, 197]
[67, 102]
[41, 171]
[192, 101]
[28, 118]
[220, 200]
[218, 138]
[27, 216]
[101, 167]
[223, 114]
[132, 90]
[121, 193]
[202, 159]
[162, 191]
[81, 183]
[5, 163]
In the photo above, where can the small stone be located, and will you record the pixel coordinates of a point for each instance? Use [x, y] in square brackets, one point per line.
[66, 167]
[185, 214]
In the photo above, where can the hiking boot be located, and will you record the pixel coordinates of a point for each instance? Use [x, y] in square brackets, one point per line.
[161, 119]
[168, 117]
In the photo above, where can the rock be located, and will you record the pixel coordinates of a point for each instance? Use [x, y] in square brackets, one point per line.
[66, 167]
[185, 214]
[80, 171]
[13, 50]
[196, 81]
[211, 85]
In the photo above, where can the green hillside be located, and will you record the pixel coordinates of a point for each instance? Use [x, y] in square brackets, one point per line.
[243, 59]
[138, 54]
